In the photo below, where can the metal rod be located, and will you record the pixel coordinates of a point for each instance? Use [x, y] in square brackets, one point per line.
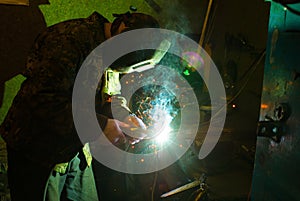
[182, 188]
[207, 66]
[205, 22]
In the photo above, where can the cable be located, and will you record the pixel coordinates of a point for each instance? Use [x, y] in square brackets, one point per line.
[247, 80]
[292, 10]
[253, 65]
[287, 1]
[154, 185]
[250, 71]
[192, 195]
[154, 181]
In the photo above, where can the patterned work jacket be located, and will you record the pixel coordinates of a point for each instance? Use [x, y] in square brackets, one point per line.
[40, 123]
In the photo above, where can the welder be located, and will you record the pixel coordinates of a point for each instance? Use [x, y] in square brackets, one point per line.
[46, 159]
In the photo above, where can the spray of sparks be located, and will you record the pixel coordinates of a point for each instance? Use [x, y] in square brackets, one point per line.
[157, 107]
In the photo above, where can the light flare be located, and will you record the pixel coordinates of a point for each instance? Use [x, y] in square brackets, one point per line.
[161, 128]
[164, 135]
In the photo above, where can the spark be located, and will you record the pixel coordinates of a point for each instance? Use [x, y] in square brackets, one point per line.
[156, 106]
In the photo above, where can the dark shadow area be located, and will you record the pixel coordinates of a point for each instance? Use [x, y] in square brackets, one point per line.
[19, 27]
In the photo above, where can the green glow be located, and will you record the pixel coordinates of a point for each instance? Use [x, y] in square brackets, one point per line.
[186, 72]
[11, 89]
[59, 10]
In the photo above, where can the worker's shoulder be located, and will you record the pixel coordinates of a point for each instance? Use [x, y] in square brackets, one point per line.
[66, 29]
[94, 19]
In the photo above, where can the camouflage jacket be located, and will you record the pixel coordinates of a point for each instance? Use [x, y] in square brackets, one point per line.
[40, 122]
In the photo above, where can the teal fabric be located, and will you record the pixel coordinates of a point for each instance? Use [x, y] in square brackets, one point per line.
[77, 183]
[62, 167]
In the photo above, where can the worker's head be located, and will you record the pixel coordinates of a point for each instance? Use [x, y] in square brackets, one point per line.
[129, 21]
[126, 22]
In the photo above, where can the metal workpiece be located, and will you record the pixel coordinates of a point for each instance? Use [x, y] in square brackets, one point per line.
[277, 150]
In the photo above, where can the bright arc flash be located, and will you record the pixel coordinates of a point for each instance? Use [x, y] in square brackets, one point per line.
[162, 126]
[164, 135]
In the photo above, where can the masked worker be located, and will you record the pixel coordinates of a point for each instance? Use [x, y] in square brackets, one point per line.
[46, 159]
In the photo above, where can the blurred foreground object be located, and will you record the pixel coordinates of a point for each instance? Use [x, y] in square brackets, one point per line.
[15, 2]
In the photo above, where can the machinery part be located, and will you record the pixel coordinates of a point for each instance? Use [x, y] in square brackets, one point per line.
[282, 112]
[275, 127]
[201, 192]
[271, 129]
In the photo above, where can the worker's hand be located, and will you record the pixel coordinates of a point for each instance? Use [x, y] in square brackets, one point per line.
[136, 130]
[113, 131]
[118, 102]
[135, 122]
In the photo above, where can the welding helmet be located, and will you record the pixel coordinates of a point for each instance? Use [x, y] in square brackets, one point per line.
[133, 21]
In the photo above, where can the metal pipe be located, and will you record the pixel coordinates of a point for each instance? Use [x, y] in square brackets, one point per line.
[205, 22]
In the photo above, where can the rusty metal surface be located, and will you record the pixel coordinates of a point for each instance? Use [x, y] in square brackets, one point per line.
[276, 174]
